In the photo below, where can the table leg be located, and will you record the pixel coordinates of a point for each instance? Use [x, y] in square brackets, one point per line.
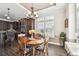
[33, 50]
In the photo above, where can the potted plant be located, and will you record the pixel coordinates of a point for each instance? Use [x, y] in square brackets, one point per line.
[62, 39]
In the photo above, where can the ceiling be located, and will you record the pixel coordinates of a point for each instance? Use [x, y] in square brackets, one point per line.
[17, 11]
[51, 11]
[37, 6]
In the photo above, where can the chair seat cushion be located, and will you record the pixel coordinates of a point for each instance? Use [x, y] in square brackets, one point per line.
[40, 47]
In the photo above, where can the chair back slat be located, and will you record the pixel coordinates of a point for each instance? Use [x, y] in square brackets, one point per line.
[46, 46]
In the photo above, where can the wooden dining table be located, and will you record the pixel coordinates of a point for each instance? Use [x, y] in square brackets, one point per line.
[32, 42]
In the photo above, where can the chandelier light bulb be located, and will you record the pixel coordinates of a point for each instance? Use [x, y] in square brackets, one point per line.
[27, 15]
[29, 12]
[8, 17]
[5, 15]
[36, 15]
[35, 12]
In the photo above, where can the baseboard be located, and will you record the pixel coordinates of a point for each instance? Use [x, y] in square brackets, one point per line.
[54, 43]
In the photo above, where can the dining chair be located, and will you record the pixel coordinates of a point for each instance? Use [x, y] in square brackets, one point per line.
[10, 37]
[46, 46]
[37, 36]
[43, 49]
[23, 49]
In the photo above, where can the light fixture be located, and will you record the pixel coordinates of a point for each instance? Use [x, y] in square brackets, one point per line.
[52, 3]
[8, 14]
[32, 14]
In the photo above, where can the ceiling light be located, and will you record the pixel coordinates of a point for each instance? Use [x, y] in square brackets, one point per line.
[8, 17]
[8, 14]
[52, 3]
[32, 14]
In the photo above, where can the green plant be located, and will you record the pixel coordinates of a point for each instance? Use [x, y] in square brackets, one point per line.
[63, 38]
[62, 34]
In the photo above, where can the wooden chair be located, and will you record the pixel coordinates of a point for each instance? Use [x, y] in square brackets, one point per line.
[22, 46]
[37, 36]
[43, 50]
[46, 46]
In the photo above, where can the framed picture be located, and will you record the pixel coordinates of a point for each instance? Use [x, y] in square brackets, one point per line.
[66, 23]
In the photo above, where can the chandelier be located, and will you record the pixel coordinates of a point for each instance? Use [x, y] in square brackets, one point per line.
[8, 14]
[32, 14]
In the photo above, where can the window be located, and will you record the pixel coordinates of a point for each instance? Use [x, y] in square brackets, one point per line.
[45, 26]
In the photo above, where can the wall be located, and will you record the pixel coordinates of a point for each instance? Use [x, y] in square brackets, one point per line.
[59, 21]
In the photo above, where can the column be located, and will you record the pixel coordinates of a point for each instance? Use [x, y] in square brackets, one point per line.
[71, 22]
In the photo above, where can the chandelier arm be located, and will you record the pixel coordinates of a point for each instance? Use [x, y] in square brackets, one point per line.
[32, 14]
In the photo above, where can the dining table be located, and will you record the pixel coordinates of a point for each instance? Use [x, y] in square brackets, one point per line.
[32, 42]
